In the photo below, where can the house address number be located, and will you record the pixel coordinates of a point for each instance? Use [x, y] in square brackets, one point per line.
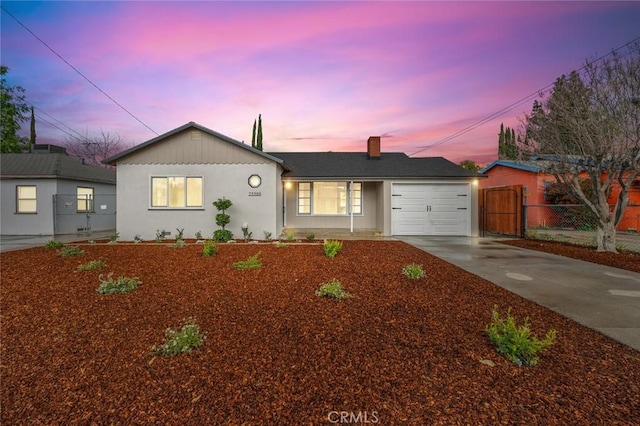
[255, 194]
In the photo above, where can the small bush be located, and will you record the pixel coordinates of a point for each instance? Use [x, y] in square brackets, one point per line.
[210, 248]
[137, 239]
[114, 238]
[118, 286]
[179, 244]
[53, 245]
[160, 235]
[198, 235]
[179, 234]
[222, 235]
[188, 338]
[516, 343]
[267, 235]
[70, 251]
[332, 248]
[289, 235]
[413, 271]
[253, 262]
[280, 244]
[90, 266]
[311, 237]
[332, 290]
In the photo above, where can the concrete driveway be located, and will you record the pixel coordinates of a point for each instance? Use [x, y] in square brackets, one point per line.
[18, 242]
[600, 297]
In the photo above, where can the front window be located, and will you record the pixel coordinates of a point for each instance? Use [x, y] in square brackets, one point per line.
[85, 199]
[176, 192]
[26, 199]
[329, 198]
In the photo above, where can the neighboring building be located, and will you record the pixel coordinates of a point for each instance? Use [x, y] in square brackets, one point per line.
[171, 181]
[50, 193]
[531, 175]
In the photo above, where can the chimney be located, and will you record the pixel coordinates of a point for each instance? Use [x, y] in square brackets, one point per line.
[373, 147]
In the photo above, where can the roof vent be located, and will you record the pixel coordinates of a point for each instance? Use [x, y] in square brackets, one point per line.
[196, 135]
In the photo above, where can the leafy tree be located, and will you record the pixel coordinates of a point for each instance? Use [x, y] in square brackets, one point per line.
[13, 111]
[589, 125]
[507, 149]
[94, 149]
[470, 165]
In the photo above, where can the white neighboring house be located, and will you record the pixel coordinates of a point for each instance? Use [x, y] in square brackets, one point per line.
[49, 193]
[170, 182]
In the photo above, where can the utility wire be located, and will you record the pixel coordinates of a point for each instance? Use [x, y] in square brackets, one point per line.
[78, 71]
[61, 123]
[509, 107]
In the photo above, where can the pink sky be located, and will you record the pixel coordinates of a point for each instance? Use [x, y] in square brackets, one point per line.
[324, 75]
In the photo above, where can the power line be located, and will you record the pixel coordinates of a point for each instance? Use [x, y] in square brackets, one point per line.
[61, 123]
[78, 71]
[509, 107]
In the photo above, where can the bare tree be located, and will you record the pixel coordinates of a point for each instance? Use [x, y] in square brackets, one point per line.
[589, 125]
[94, 149]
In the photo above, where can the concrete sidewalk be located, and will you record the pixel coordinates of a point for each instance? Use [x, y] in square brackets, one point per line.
[600, 297]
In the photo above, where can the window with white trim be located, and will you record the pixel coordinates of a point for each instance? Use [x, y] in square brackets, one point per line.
[329, 198]
[176, 192]
[84, 197]
[26, 200]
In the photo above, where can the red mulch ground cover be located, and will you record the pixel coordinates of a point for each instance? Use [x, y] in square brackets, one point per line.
[624, 259]
[400, 351]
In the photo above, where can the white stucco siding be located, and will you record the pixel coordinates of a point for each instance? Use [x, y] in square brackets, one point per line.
[40, 223]
[256, 206]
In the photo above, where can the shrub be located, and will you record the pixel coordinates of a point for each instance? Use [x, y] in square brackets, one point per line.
[210, 248]
[160, 235]
[245, 232]
[198, 235]
[90, 266]
[413, 271]
[114, 238]
[332, 290]
[280, 244]
[179, 244]
[222, 235]
[267, 235]
[179, 234]
[289, 235]
[188, 338]
[311, 237]
[70, 251]
[137, 239]
[53, 244]
[118, 286]
[332, 247]
[516, 343]
[253, 262]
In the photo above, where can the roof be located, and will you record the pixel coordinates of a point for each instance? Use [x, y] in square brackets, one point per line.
[191, 124]
[349, 165]
[52, 166]
[528, 166]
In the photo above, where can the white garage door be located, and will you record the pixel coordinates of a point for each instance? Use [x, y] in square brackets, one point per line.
[431, 209]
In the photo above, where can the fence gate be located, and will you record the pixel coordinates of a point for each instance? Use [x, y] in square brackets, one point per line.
[501, 210]
[83, 213]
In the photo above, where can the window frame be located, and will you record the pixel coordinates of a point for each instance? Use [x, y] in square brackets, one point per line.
[90, 207]
[350, 201]
[19, 199]
[167, 195]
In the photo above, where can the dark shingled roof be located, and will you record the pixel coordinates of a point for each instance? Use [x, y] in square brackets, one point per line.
[52, 166]
[357, 165]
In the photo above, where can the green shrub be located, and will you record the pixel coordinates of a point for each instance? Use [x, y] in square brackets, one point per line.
[267, 235]
[160, 235]
[280, 244]
[179, 234]
[114, 238]
[179, 244]
[253, 262]
[198, 235]
[70, 251]
[137, 239]
[188, 338]
[222, 235]
[91, 265]
[332, 290]
[332, 247]
[118, 286]
[53, 244]
[289, 235]
[210, 248]
[516, 343]
[311, 237]
[413, 271]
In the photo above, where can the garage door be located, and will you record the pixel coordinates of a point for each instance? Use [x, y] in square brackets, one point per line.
[431, 209]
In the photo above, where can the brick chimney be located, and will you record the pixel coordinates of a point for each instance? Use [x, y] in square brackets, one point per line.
[373, 147]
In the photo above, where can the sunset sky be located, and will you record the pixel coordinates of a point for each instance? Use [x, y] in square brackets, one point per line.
[324, 75]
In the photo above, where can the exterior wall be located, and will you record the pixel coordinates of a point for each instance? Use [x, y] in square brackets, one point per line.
[135, 216]
[192, 146]
[368, 219]
[69, 221]
[40, 223]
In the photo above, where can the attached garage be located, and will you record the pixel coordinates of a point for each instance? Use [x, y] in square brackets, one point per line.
[431, 209]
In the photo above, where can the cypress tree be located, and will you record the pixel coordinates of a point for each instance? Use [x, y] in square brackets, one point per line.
[501, 142]
[259, 137]
[253, 136]
[32, 140]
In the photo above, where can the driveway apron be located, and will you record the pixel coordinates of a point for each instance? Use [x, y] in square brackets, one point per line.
[600, 297]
